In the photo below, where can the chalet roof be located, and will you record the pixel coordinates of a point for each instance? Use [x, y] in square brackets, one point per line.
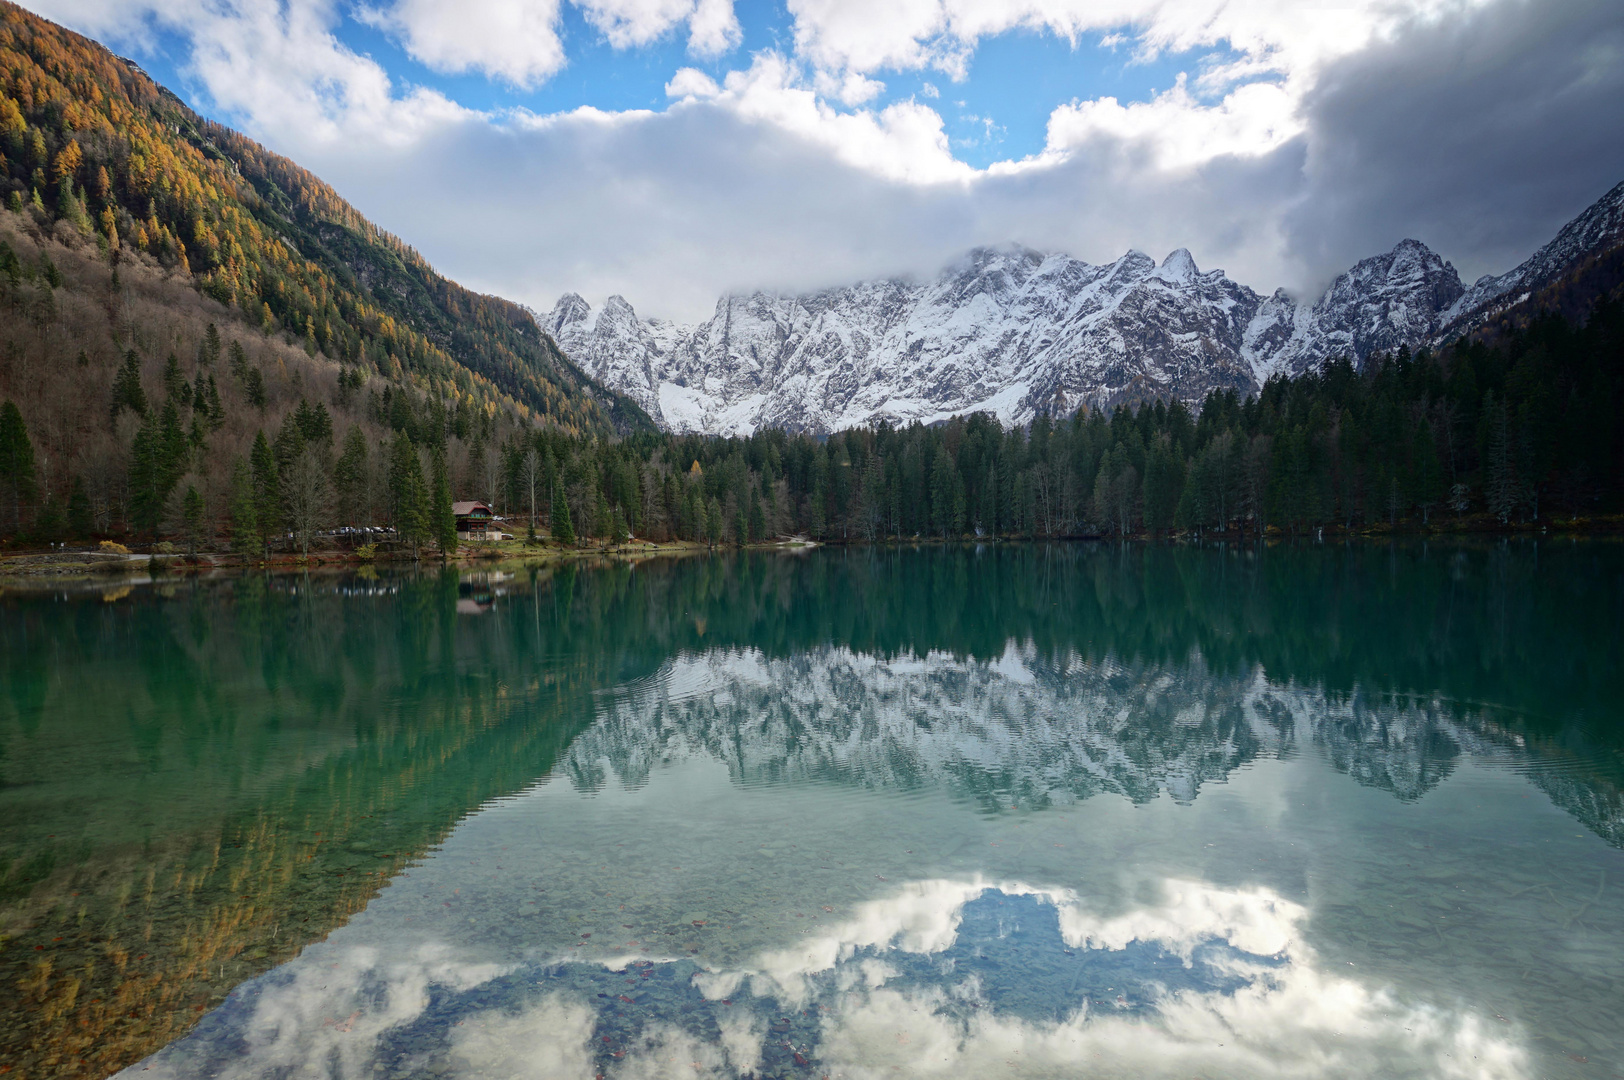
[466, 509]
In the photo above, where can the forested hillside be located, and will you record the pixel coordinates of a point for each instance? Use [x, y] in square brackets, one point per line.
[1526, 430]
[200, 341]
[95, 149]
[130, 402]
[274, 441]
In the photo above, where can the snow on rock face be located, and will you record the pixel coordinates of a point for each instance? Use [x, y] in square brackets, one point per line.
[1598, 229]
[1383, 303]
[1014, 332]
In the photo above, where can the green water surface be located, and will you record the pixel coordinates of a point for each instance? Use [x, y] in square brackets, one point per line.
[1077, 810]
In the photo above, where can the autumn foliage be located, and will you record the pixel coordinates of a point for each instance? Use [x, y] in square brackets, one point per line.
[89, 142]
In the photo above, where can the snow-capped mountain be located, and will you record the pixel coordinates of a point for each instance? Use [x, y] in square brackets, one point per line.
[1028, 730]
[1598, 229]
[1014, 331]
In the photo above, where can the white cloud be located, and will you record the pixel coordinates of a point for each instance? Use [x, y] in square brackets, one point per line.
[335, 1011]
[632, 23]
[691, 83]
[518, 40]
[513, 40]
[904, 141]
[1178, 130]
[279, 66]
[1277, 35]
[1290, 1015]
[547, 1040]
[713, 29]
[1324, 136]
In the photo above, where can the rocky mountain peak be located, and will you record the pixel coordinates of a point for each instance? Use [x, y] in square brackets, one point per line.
[1013, 331]
[1178, 268]
[565, 320]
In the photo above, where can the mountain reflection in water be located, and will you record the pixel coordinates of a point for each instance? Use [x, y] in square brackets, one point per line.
[847, 813]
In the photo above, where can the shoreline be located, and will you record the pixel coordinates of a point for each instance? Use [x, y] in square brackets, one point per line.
[31, 570]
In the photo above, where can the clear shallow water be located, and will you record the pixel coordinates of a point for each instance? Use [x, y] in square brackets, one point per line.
[1077, 811]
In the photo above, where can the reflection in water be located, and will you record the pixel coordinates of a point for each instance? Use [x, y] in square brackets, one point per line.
[874, 800]
[942, 978]
[1027, 730]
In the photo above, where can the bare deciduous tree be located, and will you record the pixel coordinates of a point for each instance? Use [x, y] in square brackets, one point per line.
[532, 478]
[307, 498]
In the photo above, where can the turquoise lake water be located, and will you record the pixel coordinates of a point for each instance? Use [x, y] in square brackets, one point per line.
[1079, 810]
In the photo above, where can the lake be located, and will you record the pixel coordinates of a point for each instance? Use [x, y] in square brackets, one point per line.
[1007, 810]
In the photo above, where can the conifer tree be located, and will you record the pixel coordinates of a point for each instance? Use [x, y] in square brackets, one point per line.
[267, 492]
[17, 480]
[211, 345]
[563, 529]
[144, 477]
[408, 493]
[191, 513]
[158, 459]
[620, 533]
[253, 382]
[350, 478]
[445, 521]
[213, 409]
[127, 391]
[758, 522]
[81, 523]
[49, 523]
[713, 521]
[245, 536]
[176, 388]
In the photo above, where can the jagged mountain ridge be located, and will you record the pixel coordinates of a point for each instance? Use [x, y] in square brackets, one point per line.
[1025, 731]
[1015, 331]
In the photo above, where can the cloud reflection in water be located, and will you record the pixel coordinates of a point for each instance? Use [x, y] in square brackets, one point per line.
[938, 978]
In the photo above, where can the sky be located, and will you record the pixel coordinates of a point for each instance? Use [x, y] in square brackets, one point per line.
[671, 151]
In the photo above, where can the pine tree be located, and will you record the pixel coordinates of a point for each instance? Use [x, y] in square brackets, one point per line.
[267, 492]
[191, 512]
[713, 521]
[1501, 487]
[445, 521]
[601, 523]
[563, 529]
[127, 391]
[244, 509]
[215, 411]
[176, 388]
[210, 349]
[17, 481]
[350, 477]
[620, 533]
[942, 475]
[158, 459]
[254, 388]
[408, 493]
[758, 522]
[81, 523]
[49, 523]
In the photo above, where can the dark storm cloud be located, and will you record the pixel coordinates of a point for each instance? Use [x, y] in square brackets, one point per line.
[1479, 135]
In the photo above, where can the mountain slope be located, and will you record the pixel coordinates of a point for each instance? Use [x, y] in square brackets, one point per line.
[1590, 242]
[1015, 332]
[90, 141]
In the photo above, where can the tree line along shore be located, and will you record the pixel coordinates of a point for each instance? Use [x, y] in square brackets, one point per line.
[135, 409]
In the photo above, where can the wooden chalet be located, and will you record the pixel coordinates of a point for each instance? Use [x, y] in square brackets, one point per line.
[476, 521]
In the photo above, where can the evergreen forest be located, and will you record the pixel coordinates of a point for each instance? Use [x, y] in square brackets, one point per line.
[202, 343]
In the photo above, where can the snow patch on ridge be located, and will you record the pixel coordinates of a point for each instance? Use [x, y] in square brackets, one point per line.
[1016, 332]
